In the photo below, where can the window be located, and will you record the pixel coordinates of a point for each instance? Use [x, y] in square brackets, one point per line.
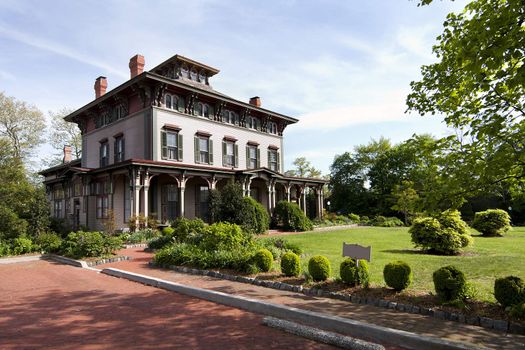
[58, 192]
[272, 128]
[167, 101]
[198, 109]
[104, 153]
[230, 154]
[119, 149]
[203, 149]
[252, 123]
[252, 157]
[102, 206]
[273, 160]
[193, 74]
[119, 112]
[171, 145]
[184, 71]
[57, 208]
[201, 202]
[202, 77]
[77, 189]
[169, 202]
[206, 111]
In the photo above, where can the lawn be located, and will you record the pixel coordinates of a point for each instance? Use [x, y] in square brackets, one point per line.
[482, 262]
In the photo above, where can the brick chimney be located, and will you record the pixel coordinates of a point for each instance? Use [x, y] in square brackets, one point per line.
[67, 154]
[136, 65]
[255, 101]
[101, 84]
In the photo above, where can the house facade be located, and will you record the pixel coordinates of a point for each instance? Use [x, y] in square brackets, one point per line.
[157, 144]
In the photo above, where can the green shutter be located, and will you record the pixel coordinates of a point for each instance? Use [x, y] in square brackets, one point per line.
[236, 155]
[258, 157]
[210, 151]
[278, 162]
[164, 141]
[115, 152]
[179, 147]
[247, 157]
[224, 153]
[196, 150]
[181, 104]
[269, 155]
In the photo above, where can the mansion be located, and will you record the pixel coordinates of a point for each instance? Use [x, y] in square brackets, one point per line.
[157, 144]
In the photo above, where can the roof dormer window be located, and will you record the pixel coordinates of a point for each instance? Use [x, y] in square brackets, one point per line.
[184, 71]
[193, 74]
[202, 77]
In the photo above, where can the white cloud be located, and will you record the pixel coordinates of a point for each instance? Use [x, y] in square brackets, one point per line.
[58, 49]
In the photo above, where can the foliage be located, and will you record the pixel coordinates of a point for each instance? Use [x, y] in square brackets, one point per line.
[397, 275]
[518, 311]
[5, 248]
[353, 274]
[492, 222]
[509, 290]
[65, 133]
[406, 199]
[263, 259]
[186, 229]
[281, 245]
[478, 85]
[11, 226]
[291, 218]
[49, 242]
[382, 221]
[140, 222]
[446, 234]
[354, 218]
[230, 205]
[290, 264]
[160, 242]
[450, 283]
[303, 168]
[23, 125]
[22, 245]
[223, 236]
[168, 231]
[319, 268]
[82, 244]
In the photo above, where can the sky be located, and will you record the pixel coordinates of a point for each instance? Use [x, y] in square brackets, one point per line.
[343, 68]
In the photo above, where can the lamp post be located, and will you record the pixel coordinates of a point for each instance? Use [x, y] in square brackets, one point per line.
[328, 205]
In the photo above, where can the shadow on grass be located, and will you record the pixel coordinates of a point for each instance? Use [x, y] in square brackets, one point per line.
[407, 251]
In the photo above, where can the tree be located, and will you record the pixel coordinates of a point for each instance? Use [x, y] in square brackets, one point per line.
[65, 133]
[21, 124]
[303, 168]
[406, 199]
[478, 84]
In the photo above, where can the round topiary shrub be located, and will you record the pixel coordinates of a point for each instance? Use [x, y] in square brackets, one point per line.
[290, 264]
[263, 259]
[450, 283]
[319, 268]
[354, 275]
[509, 290]
[492, 222]
[397, 275]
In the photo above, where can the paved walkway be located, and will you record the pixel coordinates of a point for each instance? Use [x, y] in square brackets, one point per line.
[366, 313]
[46, 305]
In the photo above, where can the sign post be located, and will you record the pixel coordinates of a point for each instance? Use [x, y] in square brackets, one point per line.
[355, 251]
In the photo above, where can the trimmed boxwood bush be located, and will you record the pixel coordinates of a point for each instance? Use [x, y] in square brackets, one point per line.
[444, 234]
[397, 275]
[263, 259]
[319, 268]
[492, 222]
[354, 275]
[290, 264]
[290, 217]
[509, 290]
[450, 283]
[49, 242]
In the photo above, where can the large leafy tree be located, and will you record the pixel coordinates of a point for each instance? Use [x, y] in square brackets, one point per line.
[64, 133]
[478, 84]
[22, 125]
[303, 168]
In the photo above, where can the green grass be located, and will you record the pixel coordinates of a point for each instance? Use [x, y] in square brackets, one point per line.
[482, 262]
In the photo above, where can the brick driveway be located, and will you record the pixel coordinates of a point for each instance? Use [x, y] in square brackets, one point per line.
[48, 305]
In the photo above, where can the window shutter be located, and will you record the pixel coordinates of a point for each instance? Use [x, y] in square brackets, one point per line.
[224, 153]
[123, 153]
[100, 154]
[210, 151]
[236, 155]
[269, 155]
[115, 151]
[179, 147]
[164, 143]
[247, 157]
[180, 101]
[258, 158]
[196, 150]
[278, 162]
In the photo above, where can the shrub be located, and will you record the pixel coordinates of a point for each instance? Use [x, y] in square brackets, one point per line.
[397, 275]
[167, 231]
[518, 311]
[160, 242]
[382, 221]
[22, 245]
[450, 283]
[492, 222]
[11, 226]
[291, 217]
[354, 217]
[255, 218]
[290, 264]
[354, 275]
[49, 242]
[223, 235]
[5, 248]
[89, 244]
[319, 268]
[185, 229]
[445, 234]
[509, 290]
[263, 259]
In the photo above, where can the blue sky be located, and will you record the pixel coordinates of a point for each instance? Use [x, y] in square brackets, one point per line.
[342, 68]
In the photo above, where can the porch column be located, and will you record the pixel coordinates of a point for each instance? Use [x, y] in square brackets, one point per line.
[212, 183]
[182, 188]
[248, 183]
[270, 197]
[136, 195]
[287, 191]
[322, 200]
[145, 203]
[273, 196]
[318, 202]
[304, 199]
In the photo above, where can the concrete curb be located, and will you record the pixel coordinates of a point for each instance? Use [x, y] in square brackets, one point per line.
[318, 335]
[64, 260]
[19, 259]
[326, 322]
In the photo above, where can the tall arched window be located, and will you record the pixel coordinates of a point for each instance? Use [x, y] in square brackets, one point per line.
[168, 101]
[185, 71]
[193, 75]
